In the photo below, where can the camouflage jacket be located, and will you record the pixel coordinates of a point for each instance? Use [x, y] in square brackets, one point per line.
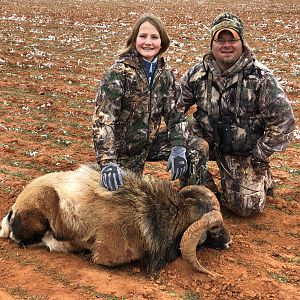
[129, 111]
[248, 107]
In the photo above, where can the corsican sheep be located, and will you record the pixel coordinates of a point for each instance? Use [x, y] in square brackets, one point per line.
[146, 220]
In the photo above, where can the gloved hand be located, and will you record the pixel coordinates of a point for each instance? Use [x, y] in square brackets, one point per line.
[177, 162]
[111, 176]
[259, 167]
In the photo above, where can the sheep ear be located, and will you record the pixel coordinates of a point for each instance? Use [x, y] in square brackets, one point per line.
[196, 233]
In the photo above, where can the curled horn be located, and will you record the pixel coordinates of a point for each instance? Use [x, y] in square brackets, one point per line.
[200, 191]
[196, 233]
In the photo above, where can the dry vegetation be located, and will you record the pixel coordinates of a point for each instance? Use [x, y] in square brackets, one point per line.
[52, 55]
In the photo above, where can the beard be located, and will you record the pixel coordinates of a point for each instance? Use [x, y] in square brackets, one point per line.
[228, 62]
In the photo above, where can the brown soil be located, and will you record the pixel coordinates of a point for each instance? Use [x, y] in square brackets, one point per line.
[52, 55]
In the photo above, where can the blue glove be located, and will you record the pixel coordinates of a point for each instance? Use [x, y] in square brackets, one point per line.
[111, 176]
[177, 162]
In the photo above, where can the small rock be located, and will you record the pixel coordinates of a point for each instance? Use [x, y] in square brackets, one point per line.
[281, 204]
[294, 204]
[231, 259]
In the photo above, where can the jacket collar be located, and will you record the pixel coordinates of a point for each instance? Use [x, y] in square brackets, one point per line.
[135, 60]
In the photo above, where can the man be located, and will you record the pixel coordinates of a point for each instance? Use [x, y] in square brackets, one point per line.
[243, 116]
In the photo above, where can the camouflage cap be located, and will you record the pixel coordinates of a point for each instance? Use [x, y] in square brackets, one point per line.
[227, 21]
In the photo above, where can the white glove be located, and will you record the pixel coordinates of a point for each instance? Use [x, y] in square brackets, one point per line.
[177, 162]
[111, 176]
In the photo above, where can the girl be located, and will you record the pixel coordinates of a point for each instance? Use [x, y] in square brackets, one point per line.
[135, 93]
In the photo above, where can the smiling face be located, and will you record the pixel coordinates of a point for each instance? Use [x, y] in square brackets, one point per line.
[148, 41]
[226, 54]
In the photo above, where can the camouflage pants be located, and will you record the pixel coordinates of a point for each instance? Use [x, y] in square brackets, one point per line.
[244, 189]
[160, 150]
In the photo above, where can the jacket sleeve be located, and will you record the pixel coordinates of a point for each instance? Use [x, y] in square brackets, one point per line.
[174, 115]
[187, 84]
[278, 118]
[107, 110]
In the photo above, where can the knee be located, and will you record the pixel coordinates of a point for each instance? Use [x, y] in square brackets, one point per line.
[199, 145]
[245, 205]
[248, 212]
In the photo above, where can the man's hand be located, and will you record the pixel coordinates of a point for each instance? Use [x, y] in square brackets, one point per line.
[177, 162]
[111, 176]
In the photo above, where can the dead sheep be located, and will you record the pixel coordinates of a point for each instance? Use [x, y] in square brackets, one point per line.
[146, 220]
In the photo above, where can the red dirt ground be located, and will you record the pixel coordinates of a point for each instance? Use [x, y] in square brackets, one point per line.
[52, 55]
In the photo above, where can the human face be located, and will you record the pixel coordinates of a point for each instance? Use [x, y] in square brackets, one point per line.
[148, 42]
[228, 53]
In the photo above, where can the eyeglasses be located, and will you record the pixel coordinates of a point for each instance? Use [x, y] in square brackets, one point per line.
[223, 41]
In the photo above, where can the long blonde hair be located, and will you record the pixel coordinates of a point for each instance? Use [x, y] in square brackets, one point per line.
[156, 22]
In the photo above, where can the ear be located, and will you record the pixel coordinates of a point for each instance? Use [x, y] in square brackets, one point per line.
[28, 227]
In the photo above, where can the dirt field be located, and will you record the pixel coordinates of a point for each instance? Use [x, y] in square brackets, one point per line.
[52, 56]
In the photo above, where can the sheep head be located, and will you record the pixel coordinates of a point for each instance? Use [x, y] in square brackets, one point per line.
[209, 226]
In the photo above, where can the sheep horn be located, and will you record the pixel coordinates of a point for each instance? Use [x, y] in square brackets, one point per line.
[196, 233]
[200, 191]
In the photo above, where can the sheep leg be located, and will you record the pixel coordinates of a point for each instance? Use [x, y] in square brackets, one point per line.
[64, 246]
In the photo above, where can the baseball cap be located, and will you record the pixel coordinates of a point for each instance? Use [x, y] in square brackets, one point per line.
[227, 21]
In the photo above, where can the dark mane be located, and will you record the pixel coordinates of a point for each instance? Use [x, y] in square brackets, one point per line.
[160, 211]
